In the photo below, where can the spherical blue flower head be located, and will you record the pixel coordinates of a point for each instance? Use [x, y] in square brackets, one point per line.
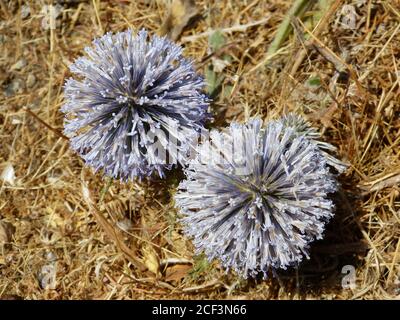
[302, 127]
[255, 198]
[134, 106]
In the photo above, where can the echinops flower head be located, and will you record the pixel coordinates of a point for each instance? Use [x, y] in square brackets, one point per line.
[302, 127]
[134, 106]
[255, 197]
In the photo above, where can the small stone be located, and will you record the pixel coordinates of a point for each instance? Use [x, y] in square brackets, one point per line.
[25, 11]
[47, 276]
[20, 64]
[8, 174]
[16, 120]
[15, 87]
[30, 80]
[125, 224]
[50, 256]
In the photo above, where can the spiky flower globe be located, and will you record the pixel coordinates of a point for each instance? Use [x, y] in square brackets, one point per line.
[255, 198]
[302, 127]
[134, 105]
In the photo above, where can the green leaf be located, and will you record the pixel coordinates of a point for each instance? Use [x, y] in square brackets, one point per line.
[200, 266]
[314, 81]
[228, 91]
[213, 81]
[216, 41]
[227, 58]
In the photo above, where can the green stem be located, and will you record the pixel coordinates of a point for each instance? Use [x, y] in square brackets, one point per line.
[297, 10]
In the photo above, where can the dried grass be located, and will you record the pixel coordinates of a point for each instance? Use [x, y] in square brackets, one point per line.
[116, 241]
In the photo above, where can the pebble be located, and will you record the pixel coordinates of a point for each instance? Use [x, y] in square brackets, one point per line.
[30, 80]
[20, 64]
[25, 11]
[125, 224]
[8, 174]
[47, 276]
[15, 87]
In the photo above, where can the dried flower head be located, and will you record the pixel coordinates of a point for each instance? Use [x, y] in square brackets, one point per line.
[303, 128]
[255, 198]
[134, 106]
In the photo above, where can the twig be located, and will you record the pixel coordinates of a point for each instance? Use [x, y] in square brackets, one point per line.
[110, 230]
[217, 53]
[96, 11]
[387, 183]
[237, 28]
[372, 63]
[316, 32]
[266, 59]
[58, 133]
[297, 10]
[172, 261]
[396, 253]
[339, 61]
[213, 283]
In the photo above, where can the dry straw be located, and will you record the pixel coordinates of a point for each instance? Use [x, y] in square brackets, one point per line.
[341, 73]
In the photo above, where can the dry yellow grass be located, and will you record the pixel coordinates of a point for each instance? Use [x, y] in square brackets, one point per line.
[122, 241]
